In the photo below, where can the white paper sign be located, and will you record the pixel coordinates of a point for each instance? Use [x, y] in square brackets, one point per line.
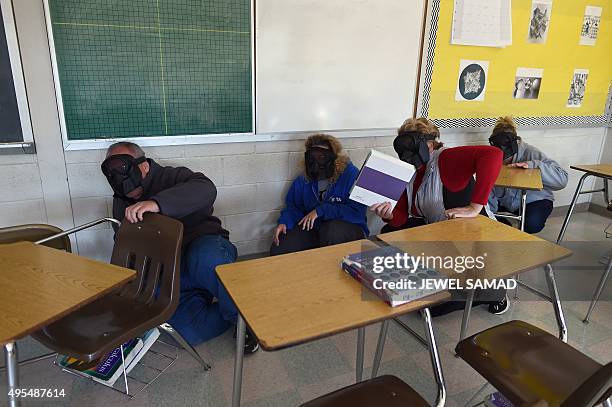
[486, 23]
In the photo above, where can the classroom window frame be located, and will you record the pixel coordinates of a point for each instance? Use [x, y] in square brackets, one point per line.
[12, 40]
[98, 143]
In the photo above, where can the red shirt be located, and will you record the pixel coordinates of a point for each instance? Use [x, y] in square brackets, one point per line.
[457, 166]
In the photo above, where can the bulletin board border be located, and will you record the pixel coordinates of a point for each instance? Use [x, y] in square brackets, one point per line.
[433, 15]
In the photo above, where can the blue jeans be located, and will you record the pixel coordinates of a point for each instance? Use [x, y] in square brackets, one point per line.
[536, 214]
[197, 318]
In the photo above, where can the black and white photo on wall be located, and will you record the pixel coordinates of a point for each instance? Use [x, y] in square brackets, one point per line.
[539, 21]
[577, 88]
[472, 81]
[527, 83]
[590, 25]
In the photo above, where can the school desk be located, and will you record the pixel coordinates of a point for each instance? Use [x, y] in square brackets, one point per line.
[299, 297]
[603, 171]
[40, 285]
[509, 253]
[523, 179]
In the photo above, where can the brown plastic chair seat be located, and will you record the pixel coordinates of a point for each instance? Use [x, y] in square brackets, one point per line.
[86, 334]
[33, 233]
[388, 391]
[152, 248]
[527, 364]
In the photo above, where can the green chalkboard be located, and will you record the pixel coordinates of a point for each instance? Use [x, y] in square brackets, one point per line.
[137, 68]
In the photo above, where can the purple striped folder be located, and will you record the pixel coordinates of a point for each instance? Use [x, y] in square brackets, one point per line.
[382, 179]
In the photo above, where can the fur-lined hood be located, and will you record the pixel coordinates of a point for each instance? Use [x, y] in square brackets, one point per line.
[342, 160]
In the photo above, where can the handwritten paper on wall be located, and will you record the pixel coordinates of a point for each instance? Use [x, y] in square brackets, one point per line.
[485, 23]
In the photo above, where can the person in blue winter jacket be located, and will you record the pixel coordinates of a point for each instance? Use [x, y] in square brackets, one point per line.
[317, 210]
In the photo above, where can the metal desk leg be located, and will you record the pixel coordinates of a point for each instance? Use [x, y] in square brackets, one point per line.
[466, 314]
[359, 358]
[380, 346]
[435, 358]
[598, 290]
[556, 301]
[240, 333]
[12, 373]
[571, 208]
[523, 208]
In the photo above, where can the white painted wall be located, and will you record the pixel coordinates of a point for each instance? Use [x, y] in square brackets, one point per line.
[66, 188]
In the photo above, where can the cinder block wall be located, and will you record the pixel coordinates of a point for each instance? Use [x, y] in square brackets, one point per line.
[253, 178]
[67, 188]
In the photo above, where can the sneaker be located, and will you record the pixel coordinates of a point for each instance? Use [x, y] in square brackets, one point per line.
[446, 308]
[500, 307]
[250, 342]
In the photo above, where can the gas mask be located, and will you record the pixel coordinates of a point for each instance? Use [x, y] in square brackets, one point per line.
[506, 142]
[123, 173]
[320, 162]
[412, 148]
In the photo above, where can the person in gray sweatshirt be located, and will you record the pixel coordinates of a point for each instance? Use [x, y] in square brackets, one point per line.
[518, 153]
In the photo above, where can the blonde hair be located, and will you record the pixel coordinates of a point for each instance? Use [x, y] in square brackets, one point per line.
[422, 126]
[505, 125]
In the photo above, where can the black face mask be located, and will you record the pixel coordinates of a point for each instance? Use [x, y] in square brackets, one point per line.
[506, 142]
[123, 173]
[412, 148]
[320, 163]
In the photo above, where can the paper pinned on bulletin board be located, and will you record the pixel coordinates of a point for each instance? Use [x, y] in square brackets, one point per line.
[472, 82]
[539, 21]
[577, 88]
[527, 83]
[485, 23]
[590, 25]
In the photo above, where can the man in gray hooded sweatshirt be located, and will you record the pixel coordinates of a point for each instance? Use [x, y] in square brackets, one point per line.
[517, 153]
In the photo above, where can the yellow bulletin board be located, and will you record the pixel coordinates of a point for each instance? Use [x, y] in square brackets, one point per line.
[559, 56]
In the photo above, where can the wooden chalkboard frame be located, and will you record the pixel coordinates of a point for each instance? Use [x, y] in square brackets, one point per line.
[97, 143]
[27, 144]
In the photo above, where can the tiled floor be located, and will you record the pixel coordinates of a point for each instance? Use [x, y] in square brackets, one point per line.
[291, 376]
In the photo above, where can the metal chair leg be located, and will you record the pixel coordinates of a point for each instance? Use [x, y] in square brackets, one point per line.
[238, 361]
[380, 346]
[466, 314]
[598, 291]
[32, 360]
[571, 208]
[435, 358]
[184, 344]
[556, 301]
[12, 373]
[359, 356]
[125, 380]
[523, 209]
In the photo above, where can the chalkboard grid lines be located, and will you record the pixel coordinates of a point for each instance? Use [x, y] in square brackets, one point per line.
[153, 67]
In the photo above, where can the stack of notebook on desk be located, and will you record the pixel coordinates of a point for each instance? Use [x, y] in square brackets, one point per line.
[394, 285]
